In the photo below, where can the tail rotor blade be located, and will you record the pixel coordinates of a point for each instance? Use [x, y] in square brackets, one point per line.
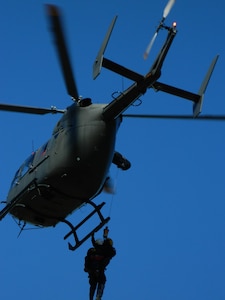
[166, 11]
[148, 49]
[168, 8]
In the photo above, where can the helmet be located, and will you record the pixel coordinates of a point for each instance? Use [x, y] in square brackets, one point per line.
[99, 242]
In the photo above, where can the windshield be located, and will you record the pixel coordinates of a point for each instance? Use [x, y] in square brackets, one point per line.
[25, 167]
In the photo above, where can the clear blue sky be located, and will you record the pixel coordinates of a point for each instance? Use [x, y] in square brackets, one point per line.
[168, 213]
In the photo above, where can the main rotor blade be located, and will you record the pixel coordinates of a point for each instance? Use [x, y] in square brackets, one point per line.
[30, 109]
[179, 117]
[168, 8]
[62, 49]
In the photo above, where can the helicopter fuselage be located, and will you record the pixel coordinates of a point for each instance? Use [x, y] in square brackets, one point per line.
[68, 170]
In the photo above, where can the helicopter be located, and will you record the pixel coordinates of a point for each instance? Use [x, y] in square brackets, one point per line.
[72, 168]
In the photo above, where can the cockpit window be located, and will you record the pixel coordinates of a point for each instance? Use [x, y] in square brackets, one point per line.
[44, 149]
[26, 166]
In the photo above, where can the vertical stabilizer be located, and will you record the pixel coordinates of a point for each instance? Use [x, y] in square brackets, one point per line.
[197, 107]
[98, 61]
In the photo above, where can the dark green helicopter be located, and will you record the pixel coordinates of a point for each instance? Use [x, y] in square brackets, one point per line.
[72, 168]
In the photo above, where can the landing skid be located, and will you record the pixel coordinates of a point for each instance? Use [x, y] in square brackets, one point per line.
[79, 242]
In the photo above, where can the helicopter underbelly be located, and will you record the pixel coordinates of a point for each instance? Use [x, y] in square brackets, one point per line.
[80, 164]
[73, 172]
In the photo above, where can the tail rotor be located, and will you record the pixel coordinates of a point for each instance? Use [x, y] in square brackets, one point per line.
[166, 11]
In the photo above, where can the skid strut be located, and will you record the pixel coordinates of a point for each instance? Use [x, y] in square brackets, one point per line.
[79, 242]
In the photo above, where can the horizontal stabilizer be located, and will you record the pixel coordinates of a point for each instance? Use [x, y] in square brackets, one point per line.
[169, 89]
[112, 66]
[196, 98]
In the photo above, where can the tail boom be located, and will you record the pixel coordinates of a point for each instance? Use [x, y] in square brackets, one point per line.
[141, 83]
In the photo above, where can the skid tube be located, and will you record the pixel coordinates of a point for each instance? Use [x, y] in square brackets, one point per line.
[79, 242]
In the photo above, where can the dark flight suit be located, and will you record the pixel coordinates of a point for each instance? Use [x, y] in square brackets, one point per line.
[96, 260]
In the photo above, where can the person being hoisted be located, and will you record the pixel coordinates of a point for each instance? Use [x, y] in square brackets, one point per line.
[96, 260]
